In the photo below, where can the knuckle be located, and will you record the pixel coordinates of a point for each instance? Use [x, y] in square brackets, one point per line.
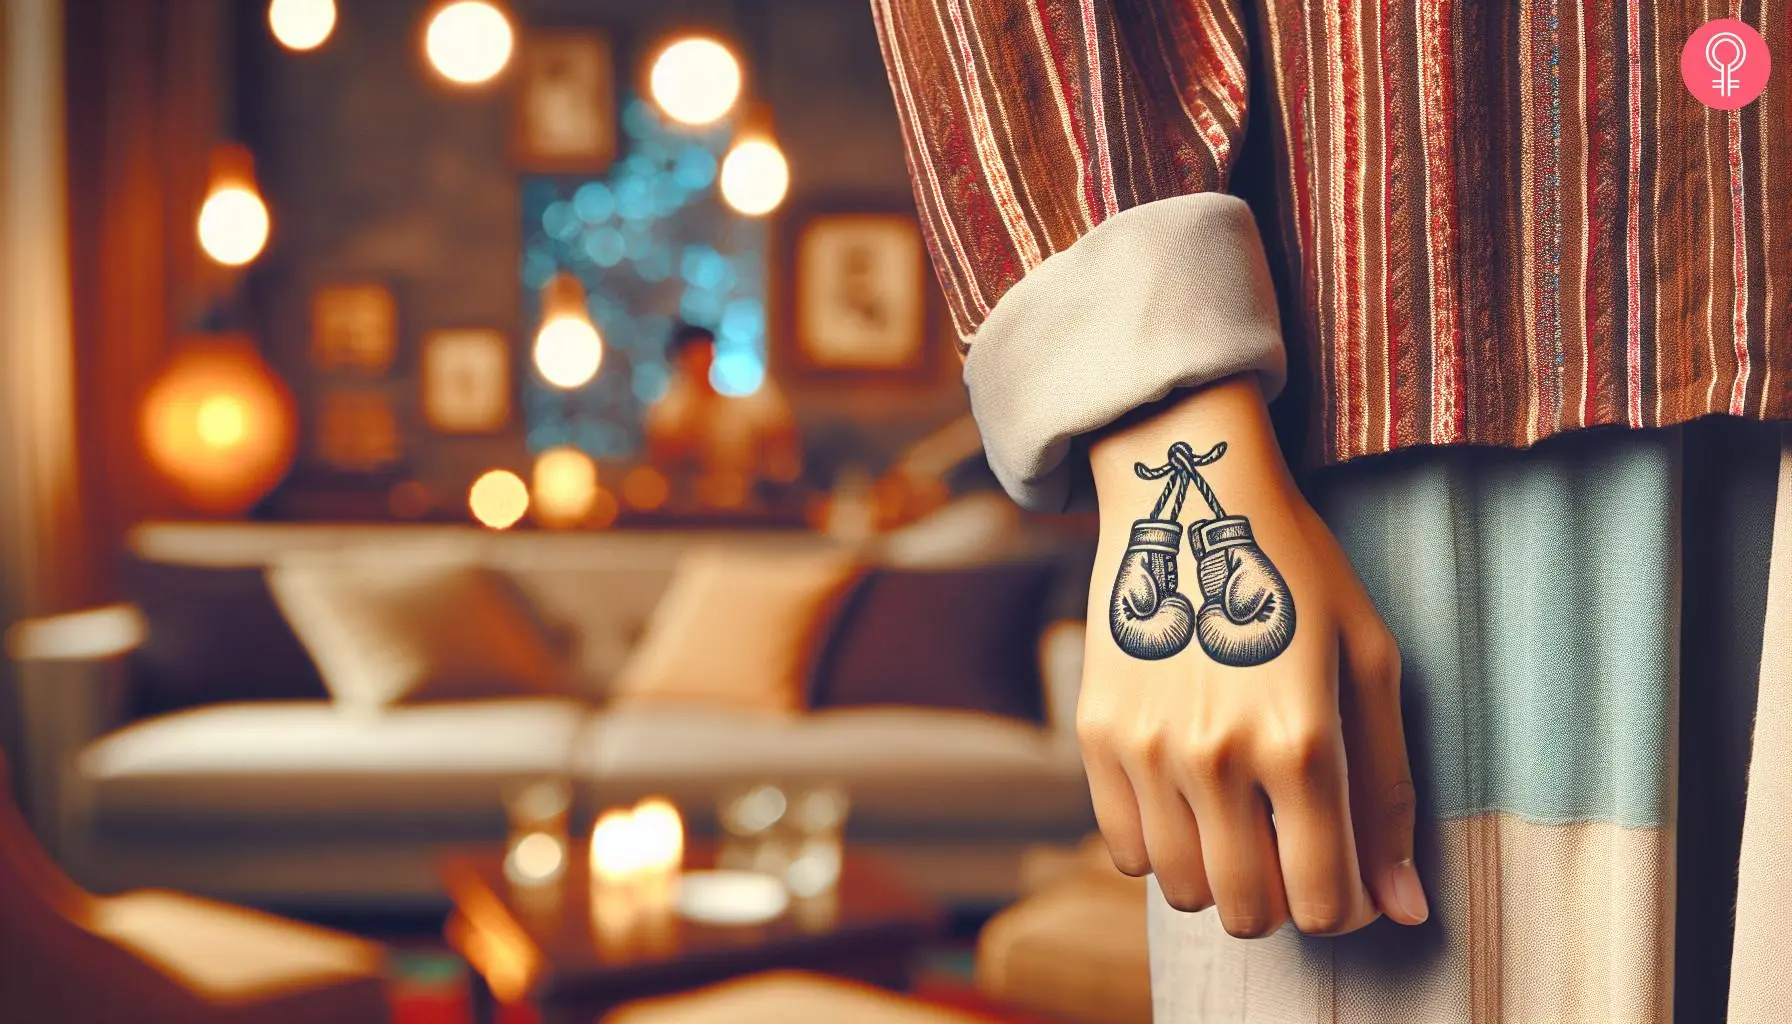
[1320, 917]
[1129, 863]
[1145, 747]
[1378, 659]
[1189, 899]
[1094, 732]
[1128, 856]
[1399, 804]
[1305, 754]
[1212, 760]
[1250, 924]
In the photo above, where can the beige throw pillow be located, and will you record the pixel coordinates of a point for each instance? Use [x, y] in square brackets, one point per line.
[385, 631]
[738, 630]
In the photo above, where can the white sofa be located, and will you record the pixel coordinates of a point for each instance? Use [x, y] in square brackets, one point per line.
[293, 804]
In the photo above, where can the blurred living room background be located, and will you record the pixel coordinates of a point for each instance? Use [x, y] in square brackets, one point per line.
[491, 529]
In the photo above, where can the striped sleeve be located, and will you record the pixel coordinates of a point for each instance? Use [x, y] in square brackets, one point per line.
[1069, 159]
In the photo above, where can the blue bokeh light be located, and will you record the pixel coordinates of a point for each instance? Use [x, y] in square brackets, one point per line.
[696, 167]
[737, 373]
[594, 202]
[605, 246]
[652, 243]
[560, 222]
[651, 382]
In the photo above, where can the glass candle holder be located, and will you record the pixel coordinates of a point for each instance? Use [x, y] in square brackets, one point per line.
[536, 850]
[818, 823]
[754, 823]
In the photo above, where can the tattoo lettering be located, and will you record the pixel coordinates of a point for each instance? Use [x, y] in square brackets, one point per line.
[1246, 616]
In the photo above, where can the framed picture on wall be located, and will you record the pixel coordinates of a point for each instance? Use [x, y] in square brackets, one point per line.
[857, 294]
[357, 431]
[565, 116]
[354, 327]
[466, 380]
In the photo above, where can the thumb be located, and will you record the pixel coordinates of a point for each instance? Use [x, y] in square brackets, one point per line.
[1382, 799]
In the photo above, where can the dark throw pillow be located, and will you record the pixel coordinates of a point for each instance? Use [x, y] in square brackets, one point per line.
[962, 638]
[215, 635]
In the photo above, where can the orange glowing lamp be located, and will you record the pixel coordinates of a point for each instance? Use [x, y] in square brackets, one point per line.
[218, 425]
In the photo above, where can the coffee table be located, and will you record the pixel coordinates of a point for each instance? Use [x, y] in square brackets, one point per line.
[574, 960]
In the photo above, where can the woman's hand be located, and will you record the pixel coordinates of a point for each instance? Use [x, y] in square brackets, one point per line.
[1277, 790]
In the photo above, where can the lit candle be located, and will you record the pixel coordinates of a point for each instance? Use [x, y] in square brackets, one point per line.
[615, 850]
[659, 834]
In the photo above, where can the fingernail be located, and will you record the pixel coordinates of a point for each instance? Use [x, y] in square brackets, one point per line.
[1408, 892]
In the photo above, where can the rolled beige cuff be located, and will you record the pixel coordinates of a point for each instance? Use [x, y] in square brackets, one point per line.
[1172, 294]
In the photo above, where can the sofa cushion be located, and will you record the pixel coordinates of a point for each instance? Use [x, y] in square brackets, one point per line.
[214, 634]
[738, 629]
[593, 589]
[253, 765]
[961, 638]
[908, 770]
[386, 631]
[1076, 951]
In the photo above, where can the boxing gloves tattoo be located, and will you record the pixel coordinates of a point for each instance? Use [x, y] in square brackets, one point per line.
[1246, 616]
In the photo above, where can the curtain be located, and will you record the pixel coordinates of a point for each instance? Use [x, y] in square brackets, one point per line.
[41, 563]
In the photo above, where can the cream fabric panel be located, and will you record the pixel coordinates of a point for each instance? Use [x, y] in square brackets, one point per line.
[1516, 936]
[1760, 984]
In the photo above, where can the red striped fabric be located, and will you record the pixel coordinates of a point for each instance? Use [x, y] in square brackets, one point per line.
[1500, 220]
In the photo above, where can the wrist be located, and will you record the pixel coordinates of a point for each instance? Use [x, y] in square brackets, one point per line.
[1232, 412]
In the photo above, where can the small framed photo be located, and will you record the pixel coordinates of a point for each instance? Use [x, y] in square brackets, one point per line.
[466, 380]
[357, 431]
[354, 327]
[858, 298]
[565, 118]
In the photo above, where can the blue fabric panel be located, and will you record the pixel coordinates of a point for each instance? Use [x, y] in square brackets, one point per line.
[1535, 599]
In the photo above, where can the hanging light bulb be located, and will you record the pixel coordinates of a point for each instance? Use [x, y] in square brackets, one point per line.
[568, 349]
[469, 41]
[302, 24]
[233, 221]
[695, 80]
[755, 176]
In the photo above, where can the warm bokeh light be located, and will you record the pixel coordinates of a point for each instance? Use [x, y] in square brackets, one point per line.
[537, 857]
[564, 486]
[568, 351]
[233, 225]
[604, 509]
[659, 834]
[645, 488]
[218, 425]
[616, 854]
[498, 499]
[469, 41]
[755, 176]
[302, 24]
[223, 421]
[696, 81]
